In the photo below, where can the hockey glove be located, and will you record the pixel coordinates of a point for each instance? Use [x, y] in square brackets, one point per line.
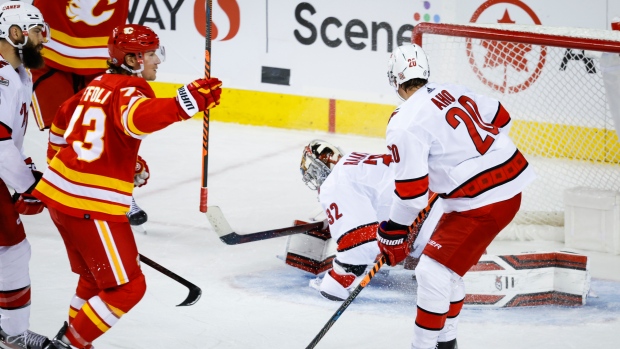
[25, 203]
[393, 241]
[199, 95]
[141, 174]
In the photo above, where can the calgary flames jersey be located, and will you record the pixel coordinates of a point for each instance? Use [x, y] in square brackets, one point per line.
[92, 176]
[80, 31]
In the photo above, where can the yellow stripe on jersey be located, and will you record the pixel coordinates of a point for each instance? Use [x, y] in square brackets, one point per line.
[57, 130]
[78, 63]
[130, 125]
[72, 313]
[79, 42]
[102, 326]
[116, 311]
[80, 203]
[112, 252]
[91, 179]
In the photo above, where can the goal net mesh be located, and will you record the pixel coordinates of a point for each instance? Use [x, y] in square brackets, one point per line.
[550, 81]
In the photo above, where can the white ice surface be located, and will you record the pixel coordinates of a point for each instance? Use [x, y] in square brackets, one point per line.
[251, 299]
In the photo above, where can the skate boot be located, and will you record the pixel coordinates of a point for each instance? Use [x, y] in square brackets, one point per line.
[58, 342]
[136, 215]
[447, 345]
[26, 340]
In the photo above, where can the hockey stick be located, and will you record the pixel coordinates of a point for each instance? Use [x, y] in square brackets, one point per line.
[194, 291]
[347, 302]
[204, 191]
[229, 237]
[416, 226]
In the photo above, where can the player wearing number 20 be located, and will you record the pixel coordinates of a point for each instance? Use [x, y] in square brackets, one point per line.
[454, 142]
[88, 184]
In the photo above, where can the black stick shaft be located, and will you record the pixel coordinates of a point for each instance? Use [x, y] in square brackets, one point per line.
[194, 291]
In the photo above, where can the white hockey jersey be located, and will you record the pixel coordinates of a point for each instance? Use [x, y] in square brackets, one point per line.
[454, 142]
[356, 196]
[15, 101]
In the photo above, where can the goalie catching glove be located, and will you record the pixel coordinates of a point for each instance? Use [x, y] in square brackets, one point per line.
[393, 239]
[199, 95]
[141, 174]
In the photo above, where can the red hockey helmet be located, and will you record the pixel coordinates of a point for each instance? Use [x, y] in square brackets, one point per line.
[132, 39]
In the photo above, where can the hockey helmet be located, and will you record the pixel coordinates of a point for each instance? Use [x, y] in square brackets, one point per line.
[407, 62]
[23, 15]
[317, 162]
[133, 39]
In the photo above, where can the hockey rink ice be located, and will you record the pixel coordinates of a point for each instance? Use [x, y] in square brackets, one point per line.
[251, 299]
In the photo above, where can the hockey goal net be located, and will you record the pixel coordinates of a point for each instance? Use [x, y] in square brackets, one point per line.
[551, 83]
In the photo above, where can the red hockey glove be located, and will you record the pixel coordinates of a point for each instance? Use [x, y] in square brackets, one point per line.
[198, 95]
[393, 241]
[141, 174]
[25, 203]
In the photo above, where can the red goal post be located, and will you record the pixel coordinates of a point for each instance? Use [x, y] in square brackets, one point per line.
[551, 82]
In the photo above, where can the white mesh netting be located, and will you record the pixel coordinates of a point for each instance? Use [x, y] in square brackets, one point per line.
[557, 100]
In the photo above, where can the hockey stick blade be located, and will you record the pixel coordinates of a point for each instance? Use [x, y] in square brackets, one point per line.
[194, 291]
[347, 302]
[228, 236]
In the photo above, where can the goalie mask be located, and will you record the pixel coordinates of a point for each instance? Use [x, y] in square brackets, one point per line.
[133, 39]
[407, 62]
[317, 161]
[23, 15]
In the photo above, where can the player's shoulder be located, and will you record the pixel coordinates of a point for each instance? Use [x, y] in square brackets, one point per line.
[8, 76]
[125, 82]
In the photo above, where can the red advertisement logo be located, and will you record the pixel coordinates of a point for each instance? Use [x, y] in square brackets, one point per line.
[230, 8]
[523, 62]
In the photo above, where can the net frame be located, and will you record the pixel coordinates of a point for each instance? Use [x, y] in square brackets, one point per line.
[593, 41]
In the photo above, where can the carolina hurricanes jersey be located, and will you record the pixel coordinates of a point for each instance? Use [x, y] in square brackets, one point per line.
[80, 31]
[357, 195]
[15, 100]
[455, 142]
[92, 176]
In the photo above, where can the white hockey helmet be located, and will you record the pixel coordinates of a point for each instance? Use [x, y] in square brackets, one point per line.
[317, 161]
[407, 62]
[23, 15]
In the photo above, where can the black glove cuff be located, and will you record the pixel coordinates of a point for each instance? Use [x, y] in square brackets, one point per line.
[391, 225]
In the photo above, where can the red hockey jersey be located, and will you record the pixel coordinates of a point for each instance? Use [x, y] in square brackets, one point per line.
[80, 31]
[92, 176]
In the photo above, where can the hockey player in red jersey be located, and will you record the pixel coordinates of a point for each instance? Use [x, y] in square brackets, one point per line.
[355, 191]
[76, 54]
[22, 33]
[454, 142]
[88, 184]
[73, 58]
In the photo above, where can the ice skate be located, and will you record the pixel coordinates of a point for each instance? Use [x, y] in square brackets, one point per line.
[58, 342]
[26, 340]
[137, 217]
[447, 345]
